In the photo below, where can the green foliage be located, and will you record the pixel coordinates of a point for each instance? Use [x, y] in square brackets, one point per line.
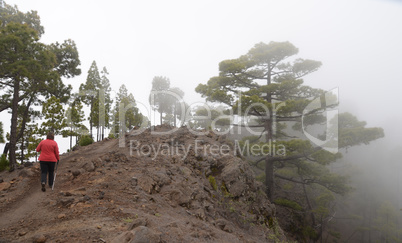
[167, 100]
[309, 233]
[261, 178]
[212, 181]
[53, 113]
[288, 203]
[105, 102]
[74, 118]
[353, 132]
[323, 202]
[387, 222]
[29, 141]
[159, 96]
[128, 220]
[225, 191]
[67, 51]
[89, 93]
[4, 163]
[126, 114]
[9, 14]
[111, 135]
[85, 140]
[210, 117]
[30, 71]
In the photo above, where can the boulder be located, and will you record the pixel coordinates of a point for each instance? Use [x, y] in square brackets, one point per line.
[4, 186]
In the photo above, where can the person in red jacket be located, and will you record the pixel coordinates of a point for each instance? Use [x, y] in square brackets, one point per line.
[48, 158]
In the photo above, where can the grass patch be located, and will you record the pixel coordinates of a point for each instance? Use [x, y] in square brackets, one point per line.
[212, 181]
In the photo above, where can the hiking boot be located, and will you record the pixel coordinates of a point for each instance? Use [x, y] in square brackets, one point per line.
[43, 187]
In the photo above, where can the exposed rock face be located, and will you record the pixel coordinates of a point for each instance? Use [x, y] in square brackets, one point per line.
[166, 187]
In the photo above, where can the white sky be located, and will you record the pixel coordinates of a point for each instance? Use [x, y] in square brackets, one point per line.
[359, 43]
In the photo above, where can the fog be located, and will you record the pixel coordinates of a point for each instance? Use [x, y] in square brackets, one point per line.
[358, 42]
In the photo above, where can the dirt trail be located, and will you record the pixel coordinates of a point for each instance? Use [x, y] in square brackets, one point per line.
[24, 208]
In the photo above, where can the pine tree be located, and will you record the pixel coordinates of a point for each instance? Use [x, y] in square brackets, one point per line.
[74, 121]
[126, 114]
[90, 95]
[53, 113]
[159, 96]
[105, 103]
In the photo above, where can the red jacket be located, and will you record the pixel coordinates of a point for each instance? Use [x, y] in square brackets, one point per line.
[49, 151]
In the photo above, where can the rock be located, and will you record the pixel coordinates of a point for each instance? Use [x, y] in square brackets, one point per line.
[61, 216]
[89, 166]
[76, 173]
[221, 223]
[141, 234]
[101, 194]
[236, 178]
[4, 186]
[228, 229]
[134, 181]
[106, 158]
[28, 164]
[26, 173]
[39, 239]
[65, 202]
[144, 234]
[137, 222]
[1, 180]
[22, 233]
[85, 198]
[147, 184]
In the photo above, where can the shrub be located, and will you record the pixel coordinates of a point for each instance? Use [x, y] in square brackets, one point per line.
[212, 181]
[4, 163]
[86, 140]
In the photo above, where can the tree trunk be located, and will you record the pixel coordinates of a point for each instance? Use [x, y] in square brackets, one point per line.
[269, 178]
[269, 164]
[71, 137]
[22, 150]
[90, 128]
[310, 207]
[25, 118]
[13, 128]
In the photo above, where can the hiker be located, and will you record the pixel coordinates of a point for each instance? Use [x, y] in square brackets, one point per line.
[48, 158]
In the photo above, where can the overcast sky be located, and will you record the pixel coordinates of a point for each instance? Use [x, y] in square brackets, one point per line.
[359, 43]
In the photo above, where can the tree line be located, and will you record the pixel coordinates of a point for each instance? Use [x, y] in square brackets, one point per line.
[32, 89]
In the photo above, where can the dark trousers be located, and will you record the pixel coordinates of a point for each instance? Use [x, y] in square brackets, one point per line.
[47, 168]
